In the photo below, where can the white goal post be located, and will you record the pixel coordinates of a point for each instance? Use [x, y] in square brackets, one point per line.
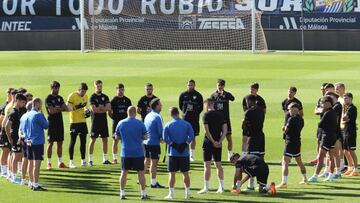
[115, 25]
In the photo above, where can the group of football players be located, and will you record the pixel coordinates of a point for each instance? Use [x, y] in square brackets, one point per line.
[23, 123]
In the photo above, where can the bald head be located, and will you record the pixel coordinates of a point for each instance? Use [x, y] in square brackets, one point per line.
[131, 111]
[37, 104]
[29, 106]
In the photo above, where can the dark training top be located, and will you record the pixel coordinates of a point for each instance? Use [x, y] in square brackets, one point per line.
[328, 124]
[191, 104]
[144, 105]
[338, 110]
[294, 125]
[251, 164]
[14, 117]
[56, 102]
[222, 103]
[285, 105]
[254, 118]
[215, 121]
[350, 126]
[2, 108]
[119, 106]
[260, 102]
[98, 100]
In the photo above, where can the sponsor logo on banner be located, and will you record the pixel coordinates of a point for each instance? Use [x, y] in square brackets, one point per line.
[187, 22]
[215, 23]
[315, 22]
[221, 23]
[15, 26]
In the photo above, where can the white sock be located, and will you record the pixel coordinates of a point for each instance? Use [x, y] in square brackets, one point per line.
[331, 175]
[315, 175]
[284, 179]
[338, 171]
[251, 183]
[122, 192]
[143, 192]
[83, 161]
[153, 181]
[206, 184]
[342, 163]
[304, 176]
[105, 157]
[49, 160]
[221, 184]
[90, 157]
[187, 190]
[171, 191]
[238, 184]
[326, 170]
[35, 184]
[267, 187]
[19, 166]
[115, 156]
[60, 160]
[230, 153]
[72, 162]
[192, 152]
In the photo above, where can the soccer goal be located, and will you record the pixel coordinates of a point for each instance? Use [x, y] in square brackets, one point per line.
[171, 25]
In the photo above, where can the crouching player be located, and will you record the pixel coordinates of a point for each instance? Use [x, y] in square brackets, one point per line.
[253, 166]
[178, 134]
[292, 131]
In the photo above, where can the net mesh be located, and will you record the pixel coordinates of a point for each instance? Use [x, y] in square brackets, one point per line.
[138, 29]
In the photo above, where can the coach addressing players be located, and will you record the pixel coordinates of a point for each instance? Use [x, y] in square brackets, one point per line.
[178, 134]
[132, 133]
[154, 127]
[36, 123]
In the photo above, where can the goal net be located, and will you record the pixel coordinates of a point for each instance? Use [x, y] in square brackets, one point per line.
[170, 25]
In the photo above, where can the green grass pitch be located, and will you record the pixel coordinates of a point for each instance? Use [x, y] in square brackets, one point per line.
[169, 72]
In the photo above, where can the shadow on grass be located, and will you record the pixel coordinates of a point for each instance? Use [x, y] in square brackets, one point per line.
[209, 201]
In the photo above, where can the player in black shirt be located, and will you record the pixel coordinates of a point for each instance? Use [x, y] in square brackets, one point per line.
[4, 142]
[100, 105]
[253, 141]
[191, 104]
[119, 105]
[12, 132]
[143, 106]
[3, 106]
[260, 102]
[215, 132]
[222, 98]
[55, 105]
[318, 111]
[338, 144]
[292, 131]
[328, 125]
[253, 166]
[350, 135]
[253, 138]
[290, 99]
